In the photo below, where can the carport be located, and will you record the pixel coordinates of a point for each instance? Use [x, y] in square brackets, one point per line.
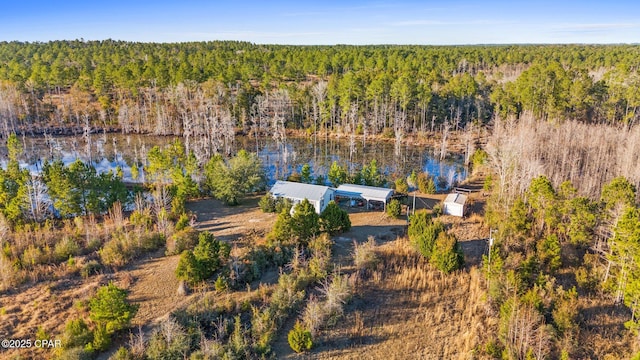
[368, 193]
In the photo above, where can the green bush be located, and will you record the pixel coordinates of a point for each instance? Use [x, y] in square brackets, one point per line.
[267, 203]
[182, 240]
[122, 354]
[101, 338]
[446, 255]
[76, 353]
[183, 222]
[299, 338]
[150, 242]
[210, 254]
[402, 187]
[426, 185]
[32, 256]
[423, 232]
[90, 268]
[334, 220]
[114, 252]
[394, 208]
[141, 219]
[110, 308]
[66, 248]
[437, 210]
[188, 268]
[76, 334]
[221, 284]
[283, 204]
[478, 160]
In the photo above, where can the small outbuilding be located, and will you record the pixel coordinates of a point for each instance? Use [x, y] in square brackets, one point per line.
[455, 204]
[368, 193]
[318, 195]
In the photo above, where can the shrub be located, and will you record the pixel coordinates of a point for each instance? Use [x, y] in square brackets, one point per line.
[90, 268]
[221, 284]
[423, 232]
[101, 338]
[334, 220]
[169, 341]
[478, 159]
[364, 255]
[76, 353]
[122, 354]
[114, 253]
[153, 241]
[76, 334]
[437, 210]
[210, 254]
[182, 240]
[426, 185]
[32, 256]
[402, 187]
[188, 268]
[299, 338]
[320, 262]
[183, 222]
[394, 208]
[66, 248]
[141, 219]
[446, 254]
[268, 203]
[110, 308]
[283, 204]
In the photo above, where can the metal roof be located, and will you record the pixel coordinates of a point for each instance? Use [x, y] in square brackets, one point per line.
[298, 191]
[365, 192]
[459, 199]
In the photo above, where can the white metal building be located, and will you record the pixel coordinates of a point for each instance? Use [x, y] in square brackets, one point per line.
[455, 204]
[318, 195]
[368, 193]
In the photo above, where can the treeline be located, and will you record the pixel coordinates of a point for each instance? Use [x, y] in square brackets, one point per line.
[215, 88]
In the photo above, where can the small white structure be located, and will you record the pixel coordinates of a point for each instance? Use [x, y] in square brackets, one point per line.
[318, 195]
[368, 193]
[455, 204]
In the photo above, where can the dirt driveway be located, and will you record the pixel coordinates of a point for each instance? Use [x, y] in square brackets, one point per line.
[231, 222]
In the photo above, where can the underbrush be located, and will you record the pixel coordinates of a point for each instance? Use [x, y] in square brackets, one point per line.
[85, 245]
[403, 305]
[236, 323]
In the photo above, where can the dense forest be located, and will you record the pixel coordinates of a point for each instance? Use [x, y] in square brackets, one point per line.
[192, 88]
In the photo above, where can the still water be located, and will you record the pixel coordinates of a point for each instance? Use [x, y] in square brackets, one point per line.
[280, 158]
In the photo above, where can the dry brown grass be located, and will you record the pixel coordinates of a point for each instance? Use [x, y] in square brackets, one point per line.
[408, 310]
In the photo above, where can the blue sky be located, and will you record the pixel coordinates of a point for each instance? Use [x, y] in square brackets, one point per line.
[324, 22]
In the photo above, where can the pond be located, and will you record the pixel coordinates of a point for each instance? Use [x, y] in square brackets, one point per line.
[280, 158]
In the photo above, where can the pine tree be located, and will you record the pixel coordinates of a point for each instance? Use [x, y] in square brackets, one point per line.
[305, 222]
[189, 268]
[337, 175]
[334, 220]
[110, 308]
